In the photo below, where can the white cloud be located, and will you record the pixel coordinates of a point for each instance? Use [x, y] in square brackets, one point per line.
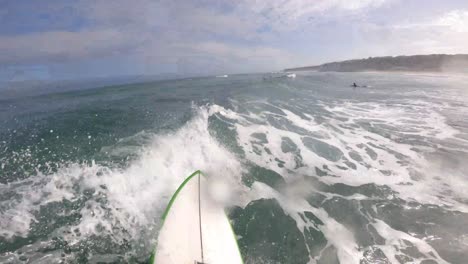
[446, 33]
[240, 35]
[62, 45]
[297, 8]
[218, 57]
[456, 20]
[283, 14]
[150, 31]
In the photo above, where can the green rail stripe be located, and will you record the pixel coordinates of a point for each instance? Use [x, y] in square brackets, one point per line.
[168, 208]
[235, 238]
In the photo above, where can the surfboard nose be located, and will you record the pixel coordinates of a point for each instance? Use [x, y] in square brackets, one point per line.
[195, 228]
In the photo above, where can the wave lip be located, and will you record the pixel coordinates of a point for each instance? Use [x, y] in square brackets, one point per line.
[116, 204]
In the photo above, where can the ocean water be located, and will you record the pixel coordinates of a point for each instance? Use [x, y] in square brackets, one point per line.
[313, 170]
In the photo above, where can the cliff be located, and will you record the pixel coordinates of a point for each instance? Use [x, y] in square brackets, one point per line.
[419, 63]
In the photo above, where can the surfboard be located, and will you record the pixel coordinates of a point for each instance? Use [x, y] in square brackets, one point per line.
[195, 228]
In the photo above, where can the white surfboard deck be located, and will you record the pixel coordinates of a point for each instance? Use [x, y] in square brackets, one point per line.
[195, 228]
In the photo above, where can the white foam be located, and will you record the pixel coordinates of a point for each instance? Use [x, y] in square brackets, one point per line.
[135, 195]
[431, 124]
[336, 234]
[418, 118]
[394, 238]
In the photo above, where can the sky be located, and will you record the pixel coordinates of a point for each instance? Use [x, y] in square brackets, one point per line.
[78, 39]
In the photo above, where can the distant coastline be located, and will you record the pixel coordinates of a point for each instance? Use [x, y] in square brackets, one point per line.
[415, 63]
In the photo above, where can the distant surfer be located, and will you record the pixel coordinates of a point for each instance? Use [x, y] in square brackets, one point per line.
[354, 85]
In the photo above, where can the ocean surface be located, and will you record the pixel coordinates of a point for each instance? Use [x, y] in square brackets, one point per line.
[311, 169]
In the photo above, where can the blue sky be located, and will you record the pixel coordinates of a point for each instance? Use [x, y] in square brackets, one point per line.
[65, 39]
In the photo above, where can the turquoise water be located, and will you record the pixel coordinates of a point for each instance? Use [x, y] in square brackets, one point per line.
[316, 171]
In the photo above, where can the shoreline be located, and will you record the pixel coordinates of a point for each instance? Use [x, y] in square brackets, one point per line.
[419, 73]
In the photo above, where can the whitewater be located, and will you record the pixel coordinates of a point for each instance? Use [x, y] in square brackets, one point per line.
[310, 169]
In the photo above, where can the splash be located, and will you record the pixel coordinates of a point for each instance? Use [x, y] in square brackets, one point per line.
[121, 204]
